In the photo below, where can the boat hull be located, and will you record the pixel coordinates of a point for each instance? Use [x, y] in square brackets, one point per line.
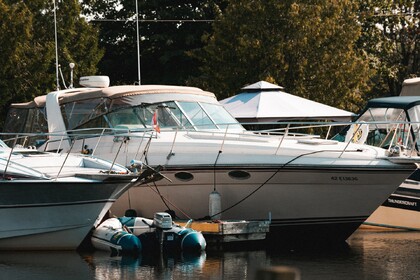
[51, 215]
[301, 203]
[401, 210]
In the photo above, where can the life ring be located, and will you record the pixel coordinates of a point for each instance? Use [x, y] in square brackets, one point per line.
[357, 133]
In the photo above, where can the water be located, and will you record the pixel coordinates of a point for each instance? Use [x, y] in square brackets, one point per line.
[369, 255]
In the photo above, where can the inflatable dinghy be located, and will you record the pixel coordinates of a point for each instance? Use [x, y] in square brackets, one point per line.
[111, 236]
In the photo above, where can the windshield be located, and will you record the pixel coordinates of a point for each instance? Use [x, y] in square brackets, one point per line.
[388, 126]
[170, 115]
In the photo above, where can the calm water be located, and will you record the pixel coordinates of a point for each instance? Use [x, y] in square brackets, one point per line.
[369, 255]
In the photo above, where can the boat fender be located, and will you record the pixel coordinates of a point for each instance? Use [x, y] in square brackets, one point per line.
[215, 205]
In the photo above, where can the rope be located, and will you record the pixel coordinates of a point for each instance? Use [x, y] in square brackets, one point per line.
[266, 181]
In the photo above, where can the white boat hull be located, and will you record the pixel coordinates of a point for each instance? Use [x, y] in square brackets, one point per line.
[51, 228]
[49, 215]
[301, 187]
[401, 210]
[291, 199]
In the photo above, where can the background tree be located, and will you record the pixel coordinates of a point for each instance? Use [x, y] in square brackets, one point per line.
[22, 66]
[391, 38]
[28, 51]
[306, 46]
[168, 30]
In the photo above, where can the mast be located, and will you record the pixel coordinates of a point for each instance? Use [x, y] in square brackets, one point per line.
[138, 42]
[56, 47]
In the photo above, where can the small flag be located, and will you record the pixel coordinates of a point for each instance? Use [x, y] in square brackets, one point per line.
[155, 123]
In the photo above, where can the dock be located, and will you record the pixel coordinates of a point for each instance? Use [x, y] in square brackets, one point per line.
[221, 232]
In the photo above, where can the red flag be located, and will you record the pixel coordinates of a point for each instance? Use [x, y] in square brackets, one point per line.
[155, 122]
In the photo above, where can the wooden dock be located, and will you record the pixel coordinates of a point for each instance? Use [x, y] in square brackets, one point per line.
[221, 232]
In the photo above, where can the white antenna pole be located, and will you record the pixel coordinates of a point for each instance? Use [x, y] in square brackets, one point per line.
[56, 47]
[138, 42]
[71, 74]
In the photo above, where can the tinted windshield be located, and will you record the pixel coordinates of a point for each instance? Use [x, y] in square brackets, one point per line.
[28, 121]
[172, 115]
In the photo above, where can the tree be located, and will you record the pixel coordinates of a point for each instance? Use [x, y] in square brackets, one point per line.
[306, 46]
[28, 48]
[77, 40]
[390, 37]
[21, 64]
[168, 30]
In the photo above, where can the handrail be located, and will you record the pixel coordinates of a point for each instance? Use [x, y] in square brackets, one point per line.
[289, 130]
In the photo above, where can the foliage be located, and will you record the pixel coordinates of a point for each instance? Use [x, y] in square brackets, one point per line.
[306, 46]
[168, 29]
[28, 50]
[390, 37]
[339, 53]
[21, 63]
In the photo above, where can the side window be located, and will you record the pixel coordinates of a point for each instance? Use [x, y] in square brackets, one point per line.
[196, 114]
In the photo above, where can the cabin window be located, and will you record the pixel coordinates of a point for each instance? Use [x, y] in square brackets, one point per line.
[221, 117]
[15, 120]
[169, 115]
[184, 176]
[78, 113]
[414, 114]
[26, 120]
[239, 175]
[132, 117]
[197, 115]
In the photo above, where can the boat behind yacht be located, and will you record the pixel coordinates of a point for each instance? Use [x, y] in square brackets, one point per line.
[50, 201]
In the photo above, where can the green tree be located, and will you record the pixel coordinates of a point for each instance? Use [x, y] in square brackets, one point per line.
[390, 37]
[77, 40]
[27, 47]
[306, 46]
[22, 66]
[168, 29]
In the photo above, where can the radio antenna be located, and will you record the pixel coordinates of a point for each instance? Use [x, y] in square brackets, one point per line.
[56, 47]
[138, 42]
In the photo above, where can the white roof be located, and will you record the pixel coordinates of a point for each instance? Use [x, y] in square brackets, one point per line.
[411, 87]
[262, 85]
[265, 102]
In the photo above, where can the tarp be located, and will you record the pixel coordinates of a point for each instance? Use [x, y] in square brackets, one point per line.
[266, 102]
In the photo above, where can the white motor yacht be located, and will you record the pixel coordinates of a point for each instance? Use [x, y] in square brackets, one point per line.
[311, 189]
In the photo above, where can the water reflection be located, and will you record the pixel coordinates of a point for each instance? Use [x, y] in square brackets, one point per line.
[43, 265]
[180, 265]
[369, 255]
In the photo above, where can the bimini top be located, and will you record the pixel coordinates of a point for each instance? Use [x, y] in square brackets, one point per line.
[79, 94]
[400, 102]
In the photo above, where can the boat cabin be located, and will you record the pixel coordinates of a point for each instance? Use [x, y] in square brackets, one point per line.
[390, 121]
[119, 107]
